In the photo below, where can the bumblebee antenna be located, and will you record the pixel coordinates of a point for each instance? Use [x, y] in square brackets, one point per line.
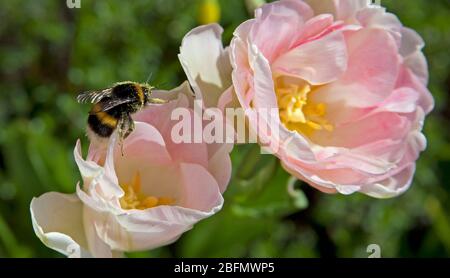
[149, 77]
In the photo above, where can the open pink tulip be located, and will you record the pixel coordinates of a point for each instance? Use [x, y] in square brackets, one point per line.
[348, 83]
[144, 199]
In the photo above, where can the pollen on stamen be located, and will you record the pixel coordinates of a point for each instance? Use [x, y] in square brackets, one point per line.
[135, 199]
[297, 112]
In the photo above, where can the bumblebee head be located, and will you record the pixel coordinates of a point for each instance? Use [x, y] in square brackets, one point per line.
[147, 89]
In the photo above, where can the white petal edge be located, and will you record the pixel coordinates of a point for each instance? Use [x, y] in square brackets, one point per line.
[57, 222]
[206, 63]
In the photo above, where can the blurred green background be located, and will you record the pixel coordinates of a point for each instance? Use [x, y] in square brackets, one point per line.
[49, 53]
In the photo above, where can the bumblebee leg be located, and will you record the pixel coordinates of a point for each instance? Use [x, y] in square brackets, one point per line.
[121, 129]
[125, 127]
[157, 101]
[129, 125]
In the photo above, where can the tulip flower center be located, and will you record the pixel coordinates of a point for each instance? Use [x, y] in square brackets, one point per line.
[297, 112]
[135, 199]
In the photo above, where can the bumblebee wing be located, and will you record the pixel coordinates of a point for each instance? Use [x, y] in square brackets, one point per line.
[111, 103]
[94, 96]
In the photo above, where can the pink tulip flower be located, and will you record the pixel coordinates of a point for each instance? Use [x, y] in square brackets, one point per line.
[348, 83]
[141, 200]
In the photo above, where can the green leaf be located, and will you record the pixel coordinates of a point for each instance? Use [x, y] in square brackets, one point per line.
[271, 197]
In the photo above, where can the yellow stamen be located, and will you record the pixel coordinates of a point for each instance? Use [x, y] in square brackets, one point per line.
[136, 182]
[297, 112]
[165, 201]
[135, 199]
[314, 125]
[149, 202]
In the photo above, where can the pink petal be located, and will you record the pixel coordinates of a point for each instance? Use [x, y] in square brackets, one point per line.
[408, 80]
[145, 142]
[88, 169]
[392, 186]
[227, 99]
[295, 145]
[283, 18]
[411, 49]
[347, 9]
[239, 45]
[369, 129]
[201, 191]
[196, 153]
[263, 83]
[151, 228]
[318, 62]
[377, 17]
[220, 168]
[173, 96]
[411, 42]
[302, 175]
[373, 61]
[402, 100]
[91, 170]
[159, 116]
[314, 28]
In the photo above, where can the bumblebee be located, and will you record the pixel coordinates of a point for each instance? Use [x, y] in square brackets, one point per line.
[113, 108]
